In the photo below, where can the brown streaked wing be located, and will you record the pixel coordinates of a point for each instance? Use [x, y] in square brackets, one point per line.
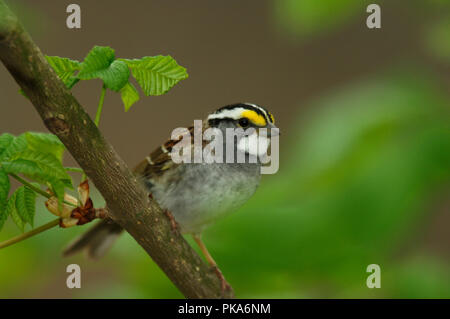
[159, 160]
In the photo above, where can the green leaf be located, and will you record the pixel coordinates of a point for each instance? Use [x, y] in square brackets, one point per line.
[25, 204]
[33, 171]
[4, 186]
[116, 76]
[156, 75]
[99, 58]
[12, 211]
[100, 63]
[4, 191]
[45, 143]
[16, 145]
[50, 170]
[49, 164]
[129, 95]
[5, 140]
[21, 166]
[64, 68]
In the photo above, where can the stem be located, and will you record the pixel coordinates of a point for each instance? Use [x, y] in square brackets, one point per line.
[30, 186]
[100, 106]
[74, 169]
[29, 234]
[36, 189]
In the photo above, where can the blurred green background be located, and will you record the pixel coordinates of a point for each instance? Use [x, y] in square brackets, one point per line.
[365, 149]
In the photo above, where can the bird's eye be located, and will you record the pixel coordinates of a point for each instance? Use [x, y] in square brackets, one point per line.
[243, 122]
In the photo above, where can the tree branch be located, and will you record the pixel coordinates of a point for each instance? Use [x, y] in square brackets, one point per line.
[127, 201]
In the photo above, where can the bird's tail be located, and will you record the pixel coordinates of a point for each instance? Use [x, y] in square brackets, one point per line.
[96, 241]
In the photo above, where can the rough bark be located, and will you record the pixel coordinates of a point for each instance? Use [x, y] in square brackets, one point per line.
[127, 201]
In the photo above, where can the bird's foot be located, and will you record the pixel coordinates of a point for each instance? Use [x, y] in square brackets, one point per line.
[225, 286]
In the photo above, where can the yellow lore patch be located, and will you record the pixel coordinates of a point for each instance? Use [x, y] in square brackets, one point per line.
[254, 117]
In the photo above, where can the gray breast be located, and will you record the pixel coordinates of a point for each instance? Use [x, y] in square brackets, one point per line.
[199, 194]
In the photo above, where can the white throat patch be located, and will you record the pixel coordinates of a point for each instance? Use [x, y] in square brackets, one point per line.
[254, 145]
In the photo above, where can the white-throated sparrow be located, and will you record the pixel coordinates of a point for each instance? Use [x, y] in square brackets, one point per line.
[196, 194]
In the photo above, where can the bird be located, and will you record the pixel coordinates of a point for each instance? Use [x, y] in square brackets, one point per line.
[196, 195]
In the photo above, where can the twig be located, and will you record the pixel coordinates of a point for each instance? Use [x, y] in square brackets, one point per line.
[100, 106]
[126, 199]
[29, 234]
[73, 169]
[30, 186]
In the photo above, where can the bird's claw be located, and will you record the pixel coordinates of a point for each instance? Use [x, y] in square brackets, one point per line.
[225, 286]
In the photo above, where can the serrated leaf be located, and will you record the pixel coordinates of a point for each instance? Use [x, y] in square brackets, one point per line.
[17, 145]
[116, 76]
[12, 211]
[4, 191]
[5, 140]
[99, 58]
[156, 75]
[64, 68]
[25, 204]
[21, 166]
[4, 186]
[32, 170]
[45, 143]
[17, 220]
[100, 63]
[129, 95]
[49, 164]
[67, 182]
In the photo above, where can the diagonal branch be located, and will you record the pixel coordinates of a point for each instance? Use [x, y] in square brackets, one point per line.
[127, 201]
